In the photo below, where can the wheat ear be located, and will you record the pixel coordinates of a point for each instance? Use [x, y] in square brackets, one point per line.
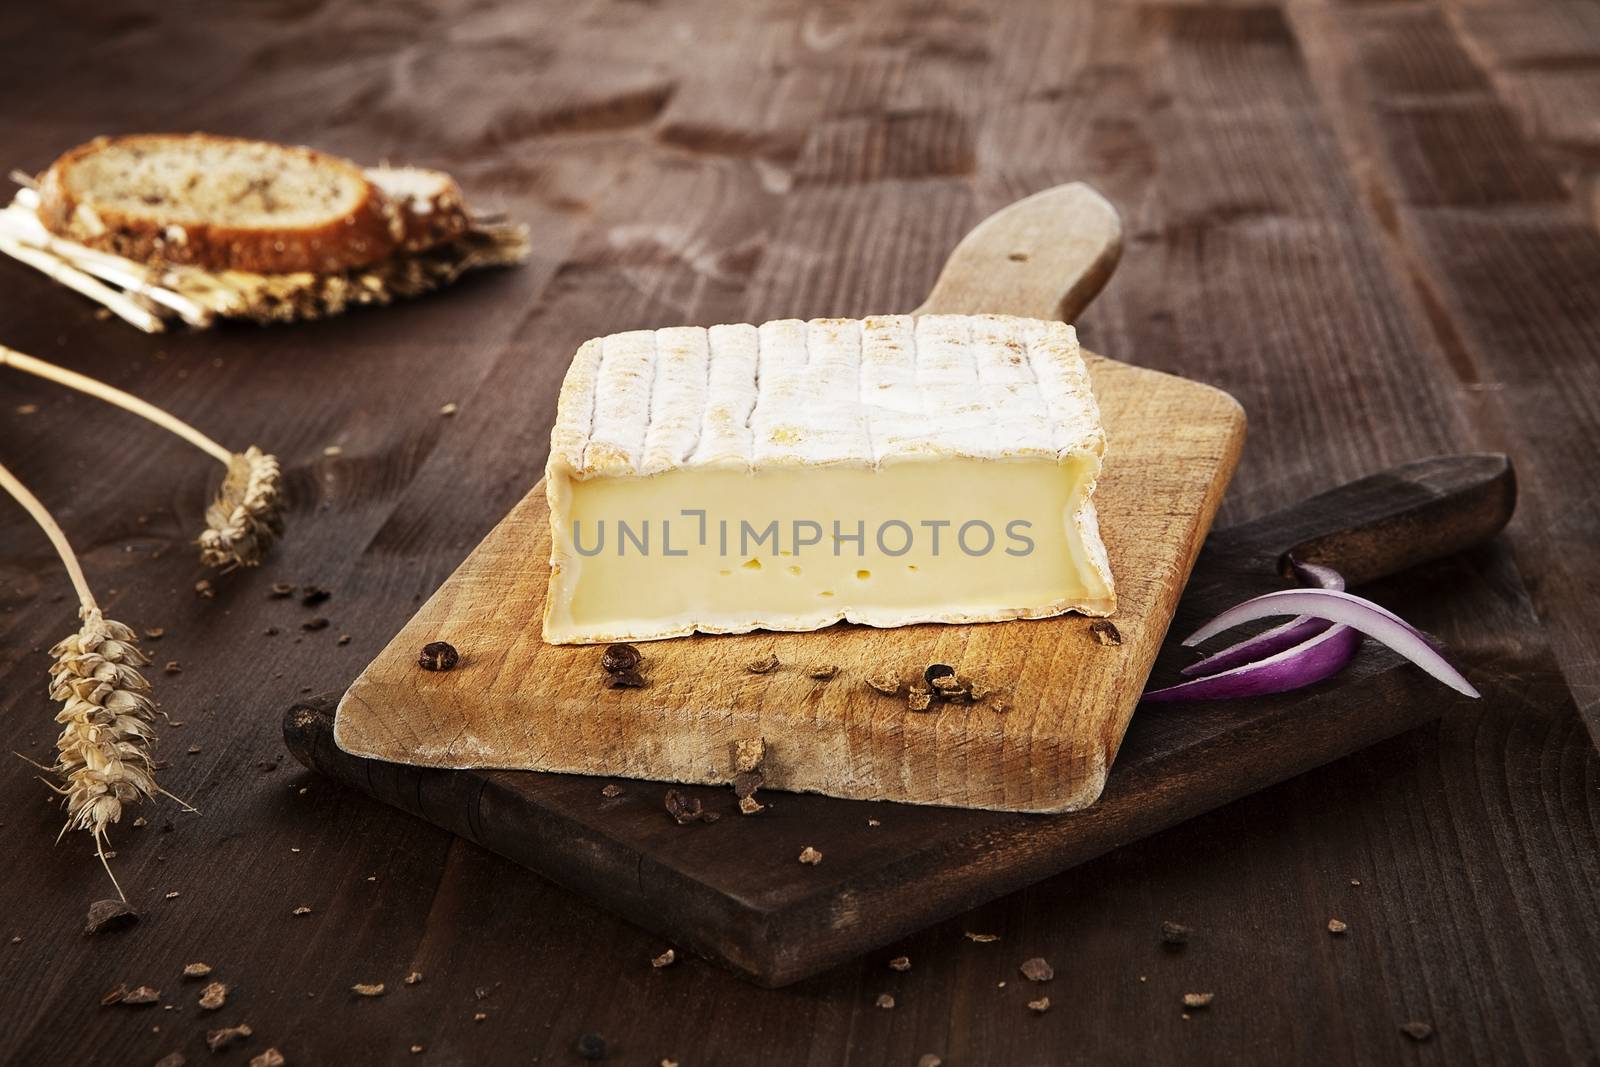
[247, 515]
[103, 753]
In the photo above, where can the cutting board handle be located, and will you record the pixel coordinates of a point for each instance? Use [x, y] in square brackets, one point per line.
[1044, 257]
[1388, 522]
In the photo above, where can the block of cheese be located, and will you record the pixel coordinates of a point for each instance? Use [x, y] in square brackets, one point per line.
[884, 471]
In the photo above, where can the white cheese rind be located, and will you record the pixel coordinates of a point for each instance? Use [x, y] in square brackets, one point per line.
[828, 393]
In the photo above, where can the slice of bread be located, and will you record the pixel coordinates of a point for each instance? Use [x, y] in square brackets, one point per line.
[221, 203]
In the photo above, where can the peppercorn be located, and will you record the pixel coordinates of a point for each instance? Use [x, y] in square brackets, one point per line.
[626, 680]
[438, 656]
[618, 658]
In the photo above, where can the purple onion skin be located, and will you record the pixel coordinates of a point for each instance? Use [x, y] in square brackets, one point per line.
[1374, 620]
[1321, 657]
[1279, 638]
[1267, 643]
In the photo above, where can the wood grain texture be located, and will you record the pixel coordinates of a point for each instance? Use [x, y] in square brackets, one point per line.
[705, 161]
[731, 894]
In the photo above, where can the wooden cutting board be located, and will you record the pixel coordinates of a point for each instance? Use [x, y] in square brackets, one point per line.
[733, 890]
[515, 702]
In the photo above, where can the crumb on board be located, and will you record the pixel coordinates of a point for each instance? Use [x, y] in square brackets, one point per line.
[216, 1039]
[748, 754]
[107, 915]
[1037, 969]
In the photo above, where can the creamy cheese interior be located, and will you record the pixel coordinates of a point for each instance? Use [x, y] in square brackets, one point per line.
[944, 539]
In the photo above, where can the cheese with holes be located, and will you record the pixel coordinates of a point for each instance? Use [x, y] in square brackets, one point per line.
[884, 471]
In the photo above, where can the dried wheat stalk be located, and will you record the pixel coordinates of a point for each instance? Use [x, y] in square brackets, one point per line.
[247, 516]
[103, 753]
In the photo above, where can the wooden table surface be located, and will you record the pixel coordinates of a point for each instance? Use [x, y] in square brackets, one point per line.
[1373, 223]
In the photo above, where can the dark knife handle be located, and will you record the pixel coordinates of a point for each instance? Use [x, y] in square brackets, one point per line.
[1386, 523]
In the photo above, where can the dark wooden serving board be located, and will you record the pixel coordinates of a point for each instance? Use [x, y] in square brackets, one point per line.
[734, 891]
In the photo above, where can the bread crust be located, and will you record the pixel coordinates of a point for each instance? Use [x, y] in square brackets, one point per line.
[370, 232]
[430, 204]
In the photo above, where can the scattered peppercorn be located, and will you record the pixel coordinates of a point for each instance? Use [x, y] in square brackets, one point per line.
[590, 1047]
[438, 656]
[312, 595]
[313, 625]
[1105, 632]
[1174, 934]
[683, 809]
[1417, 1030]
[626, 680]
[938, 670]
[618, 658]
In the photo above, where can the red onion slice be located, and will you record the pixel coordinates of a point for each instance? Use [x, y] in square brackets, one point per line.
[1322, 656]
[1279, 638]
[1375, 621]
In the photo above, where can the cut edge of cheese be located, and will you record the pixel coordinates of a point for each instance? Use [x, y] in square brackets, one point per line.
[907, 419]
